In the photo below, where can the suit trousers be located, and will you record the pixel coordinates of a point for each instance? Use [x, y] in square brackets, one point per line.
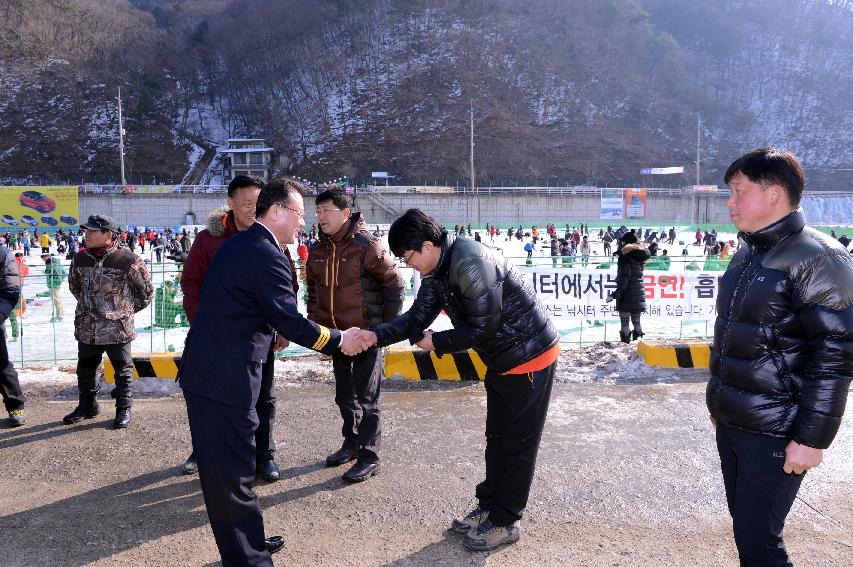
[759, 494]
[357, 384]
[224, 445]
[13, 396]
[516, 408]
[88, 361]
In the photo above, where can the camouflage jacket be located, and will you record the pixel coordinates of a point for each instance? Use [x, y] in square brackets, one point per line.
[109, 290]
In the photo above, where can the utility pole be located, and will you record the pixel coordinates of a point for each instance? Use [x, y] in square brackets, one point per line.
[472, 146]
[120, 137]
[698, 141]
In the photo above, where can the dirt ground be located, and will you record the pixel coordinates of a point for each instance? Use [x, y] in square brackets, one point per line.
[627, 476]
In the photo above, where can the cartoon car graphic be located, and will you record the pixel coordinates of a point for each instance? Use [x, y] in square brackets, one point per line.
[49, 220]
[67, 219]
[10, 220]
[27, 219]
[36, 200]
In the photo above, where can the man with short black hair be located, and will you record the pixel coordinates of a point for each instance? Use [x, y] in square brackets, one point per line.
[223, 222]
[495, 313]
[783, 350]
[110, 283]
[353, 282]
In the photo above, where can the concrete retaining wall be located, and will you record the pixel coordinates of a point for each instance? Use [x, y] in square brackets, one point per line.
[500, 209]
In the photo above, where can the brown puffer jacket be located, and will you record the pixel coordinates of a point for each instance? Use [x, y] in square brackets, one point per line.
[352, 280]
[109, 290]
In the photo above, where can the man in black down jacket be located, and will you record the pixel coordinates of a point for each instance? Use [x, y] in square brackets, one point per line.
[496, 313]
[783, 351]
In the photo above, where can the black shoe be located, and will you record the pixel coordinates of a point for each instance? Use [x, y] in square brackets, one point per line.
[122, 419]
[625, 336]
[636, 335]
[361, 472]
[274, 543]
[80, 413]
[267, 470]
[341, 456]
[190, 466]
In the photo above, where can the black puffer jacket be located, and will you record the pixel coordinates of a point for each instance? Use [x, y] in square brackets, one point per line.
[630, 295]
[492, 309]
[783, 341]
[10, 283]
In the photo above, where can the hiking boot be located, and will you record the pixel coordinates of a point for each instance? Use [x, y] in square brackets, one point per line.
[469, 522]
[122, 419]
[16, 418]
[625, 336]
[81, 412]
[488, 536]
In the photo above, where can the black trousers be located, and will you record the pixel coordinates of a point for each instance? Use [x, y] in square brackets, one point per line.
[13, 396]
[516, 407]
[264, 442]
[759, 494]
[88, 361]
[224, 446]
[357, 385]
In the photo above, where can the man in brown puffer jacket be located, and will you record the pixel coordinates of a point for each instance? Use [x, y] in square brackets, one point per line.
[353, 282]
[110, 283]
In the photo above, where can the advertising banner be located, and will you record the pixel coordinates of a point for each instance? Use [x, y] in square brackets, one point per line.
[582, 294]
[635, 203]
[38, 207]
[611, 205]
[661, 170]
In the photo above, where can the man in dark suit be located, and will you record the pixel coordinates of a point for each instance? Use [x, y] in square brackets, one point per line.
[246, 297]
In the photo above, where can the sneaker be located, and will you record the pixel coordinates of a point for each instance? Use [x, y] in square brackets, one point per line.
[16, 418]
[469, 522]
[488, 536]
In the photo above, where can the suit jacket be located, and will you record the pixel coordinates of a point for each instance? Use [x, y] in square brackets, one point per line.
[247, 294]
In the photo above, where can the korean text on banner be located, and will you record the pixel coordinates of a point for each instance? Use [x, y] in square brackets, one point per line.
[38, 207]
[582, 294]
[611, 204]
[635, 203]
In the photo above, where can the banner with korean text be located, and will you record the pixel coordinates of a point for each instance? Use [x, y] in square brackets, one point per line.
[611, 205]
[635, 203]
[582, 294]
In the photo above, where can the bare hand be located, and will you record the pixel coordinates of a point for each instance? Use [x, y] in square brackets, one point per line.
[426, 342]
[800, 458]
[368, 339]
[351, 342]
[280, 344]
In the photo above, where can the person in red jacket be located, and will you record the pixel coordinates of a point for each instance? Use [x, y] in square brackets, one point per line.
[224, 222]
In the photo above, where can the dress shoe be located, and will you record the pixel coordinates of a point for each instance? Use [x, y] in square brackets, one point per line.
[16, 418]
[341, 456]
[267, 470]
[361, 472]
[82, 412]
[190, 466]
[274, 543]
[122, 419]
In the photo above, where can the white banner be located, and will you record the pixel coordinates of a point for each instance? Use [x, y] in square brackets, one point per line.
[661, 170]
[582, 293]
[612, 207]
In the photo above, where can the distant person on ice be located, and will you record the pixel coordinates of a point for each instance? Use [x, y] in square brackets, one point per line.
[494, 312]
[783, 351]
[630, 294]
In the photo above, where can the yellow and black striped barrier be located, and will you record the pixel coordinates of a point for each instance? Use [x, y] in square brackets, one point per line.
[153, 365]
[422, 365]
[691, 355]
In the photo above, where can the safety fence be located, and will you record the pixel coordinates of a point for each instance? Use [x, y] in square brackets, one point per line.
[41, 328]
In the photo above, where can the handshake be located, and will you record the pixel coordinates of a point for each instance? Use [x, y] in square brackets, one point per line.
[355, 341]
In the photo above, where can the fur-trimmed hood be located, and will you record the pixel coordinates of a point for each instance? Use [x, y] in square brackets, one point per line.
[218, 219]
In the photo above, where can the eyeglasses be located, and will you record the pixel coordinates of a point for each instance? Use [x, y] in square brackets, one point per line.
[407, 260]
[300, 214]
[323, 211]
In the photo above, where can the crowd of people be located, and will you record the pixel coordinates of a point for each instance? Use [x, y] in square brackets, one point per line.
[775, 402]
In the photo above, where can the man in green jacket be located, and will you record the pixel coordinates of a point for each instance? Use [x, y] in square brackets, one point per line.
[55, 274]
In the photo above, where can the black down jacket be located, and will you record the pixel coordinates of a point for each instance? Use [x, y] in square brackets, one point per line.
[492, 309]
[630, 295]
[783, 341]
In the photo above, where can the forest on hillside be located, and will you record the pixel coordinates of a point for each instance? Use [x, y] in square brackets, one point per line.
[562, 91]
